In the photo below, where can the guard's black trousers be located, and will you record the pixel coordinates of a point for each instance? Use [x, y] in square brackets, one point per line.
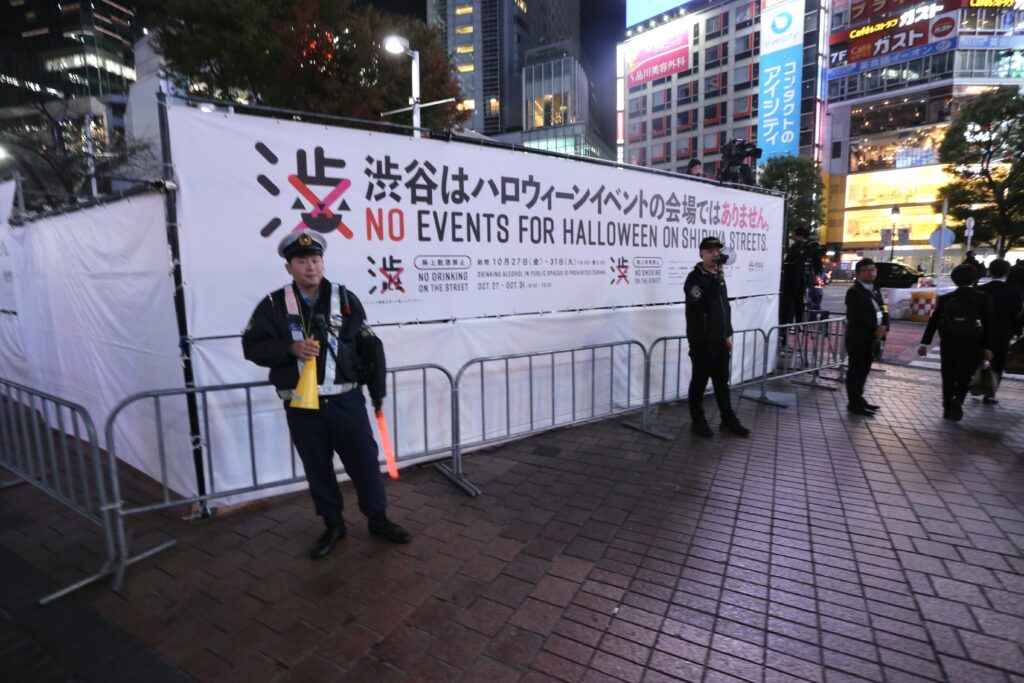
[710, 361]
[859, 355]
[958, 363]
[340, 426]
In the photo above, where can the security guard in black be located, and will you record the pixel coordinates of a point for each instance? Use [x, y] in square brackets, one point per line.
[314, 318]
[709, 333]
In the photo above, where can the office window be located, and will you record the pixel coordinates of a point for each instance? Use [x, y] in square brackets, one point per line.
[464, 30]
[686, 120]
[463, 49]
[638, 106]
[637, 156]
[463, 9]
[661, 152]
[661, 99]
[714, 113]
[637, 131]
[661, 126]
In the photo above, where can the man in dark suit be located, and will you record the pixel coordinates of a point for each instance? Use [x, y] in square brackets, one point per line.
[1007, 315]
[867, 322]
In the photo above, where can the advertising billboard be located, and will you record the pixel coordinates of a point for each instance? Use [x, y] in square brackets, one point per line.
[642, 10]
[658, 53]
[778, 115]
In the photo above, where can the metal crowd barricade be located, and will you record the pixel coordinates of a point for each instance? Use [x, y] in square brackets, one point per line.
[804, 348]
[663, 371]
[554, 388]
[216, 488]
[51, 444]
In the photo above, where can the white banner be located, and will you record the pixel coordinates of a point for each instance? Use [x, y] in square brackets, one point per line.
[6, 248]
[427, 230]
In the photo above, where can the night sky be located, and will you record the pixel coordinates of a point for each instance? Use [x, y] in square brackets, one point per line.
[603, 26]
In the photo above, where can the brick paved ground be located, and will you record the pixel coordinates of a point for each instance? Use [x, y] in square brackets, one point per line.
[823, 548]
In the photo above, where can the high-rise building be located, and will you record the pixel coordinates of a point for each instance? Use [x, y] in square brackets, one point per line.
[488, 40]
[898, 74]
[65, 69]
[693, 76]
[507, 54]
[70, 49]
[559, 104]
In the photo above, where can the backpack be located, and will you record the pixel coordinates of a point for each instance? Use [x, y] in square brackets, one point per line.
[959, 321]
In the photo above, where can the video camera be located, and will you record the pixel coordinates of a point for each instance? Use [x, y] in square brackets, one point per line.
[733, 168]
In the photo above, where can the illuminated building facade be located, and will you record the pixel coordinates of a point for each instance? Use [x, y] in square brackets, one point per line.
[488, 40]
[898, 72]
[694, 75]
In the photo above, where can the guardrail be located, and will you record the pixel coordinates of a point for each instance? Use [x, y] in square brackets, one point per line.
[800, 349]
[550, 389]
[257, 478]
[51, 443]
[748, 351]
[575, 386]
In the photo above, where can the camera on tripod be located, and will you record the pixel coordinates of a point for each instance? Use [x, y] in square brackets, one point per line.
[734, 168]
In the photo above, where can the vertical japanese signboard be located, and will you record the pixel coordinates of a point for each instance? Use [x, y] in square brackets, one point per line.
[782, 40]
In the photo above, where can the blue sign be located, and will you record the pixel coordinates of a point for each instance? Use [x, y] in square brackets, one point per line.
[892, 58]
[778, 108]
[641, 10]
[991, 42]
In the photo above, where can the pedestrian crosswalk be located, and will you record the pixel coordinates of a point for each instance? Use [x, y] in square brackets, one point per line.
[931, 362]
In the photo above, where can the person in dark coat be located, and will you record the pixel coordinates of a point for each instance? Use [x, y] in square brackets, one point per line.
[1007, 315]
[709, 334]
[867, 322]
[800, 266]
[963, 319]
[312, 318]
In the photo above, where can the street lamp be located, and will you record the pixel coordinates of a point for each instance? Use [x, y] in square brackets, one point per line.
[894, 213]
[398, 45]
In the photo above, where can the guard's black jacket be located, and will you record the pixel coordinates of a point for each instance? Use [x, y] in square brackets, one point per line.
[267, 338]
[861, 316]
[708, 317]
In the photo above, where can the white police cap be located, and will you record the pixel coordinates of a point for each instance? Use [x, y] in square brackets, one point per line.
[303, 242]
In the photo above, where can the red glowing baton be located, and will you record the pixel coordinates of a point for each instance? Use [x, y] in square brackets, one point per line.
[385, 442]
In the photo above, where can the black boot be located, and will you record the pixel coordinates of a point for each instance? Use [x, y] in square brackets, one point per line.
[733, 426]
[700, 427]
[380, 525]
[325, 544]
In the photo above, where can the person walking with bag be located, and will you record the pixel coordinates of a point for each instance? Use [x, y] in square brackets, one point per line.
[963, 319]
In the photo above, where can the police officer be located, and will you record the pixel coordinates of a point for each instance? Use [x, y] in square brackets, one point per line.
[314, 318]
[867, 323]
[709, 333]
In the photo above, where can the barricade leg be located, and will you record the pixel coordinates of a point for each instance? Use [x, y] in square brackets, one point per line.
[771, 398]
[454, 471]
[645, 414]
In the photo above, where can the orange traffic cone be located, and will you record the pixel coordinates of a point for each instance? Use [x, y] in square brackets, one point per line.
[306, 391]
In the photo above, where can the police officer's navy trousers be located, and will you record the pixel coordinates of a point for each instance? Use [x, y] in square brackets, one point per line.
[710, 361]
[339, 426]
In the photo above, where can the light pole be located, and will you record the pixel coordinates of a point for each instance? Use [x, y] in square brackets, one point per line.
[894, 213]
[398, 45]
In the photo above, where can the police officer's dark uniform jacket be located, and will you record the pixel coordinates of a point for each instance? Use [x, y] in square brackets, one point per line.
[708, 325]
[358, 354]
[708, 316]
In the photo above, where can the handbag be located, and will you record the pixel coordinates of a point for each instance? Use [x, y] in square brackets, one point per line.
[984, 382]
[1015, 358]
